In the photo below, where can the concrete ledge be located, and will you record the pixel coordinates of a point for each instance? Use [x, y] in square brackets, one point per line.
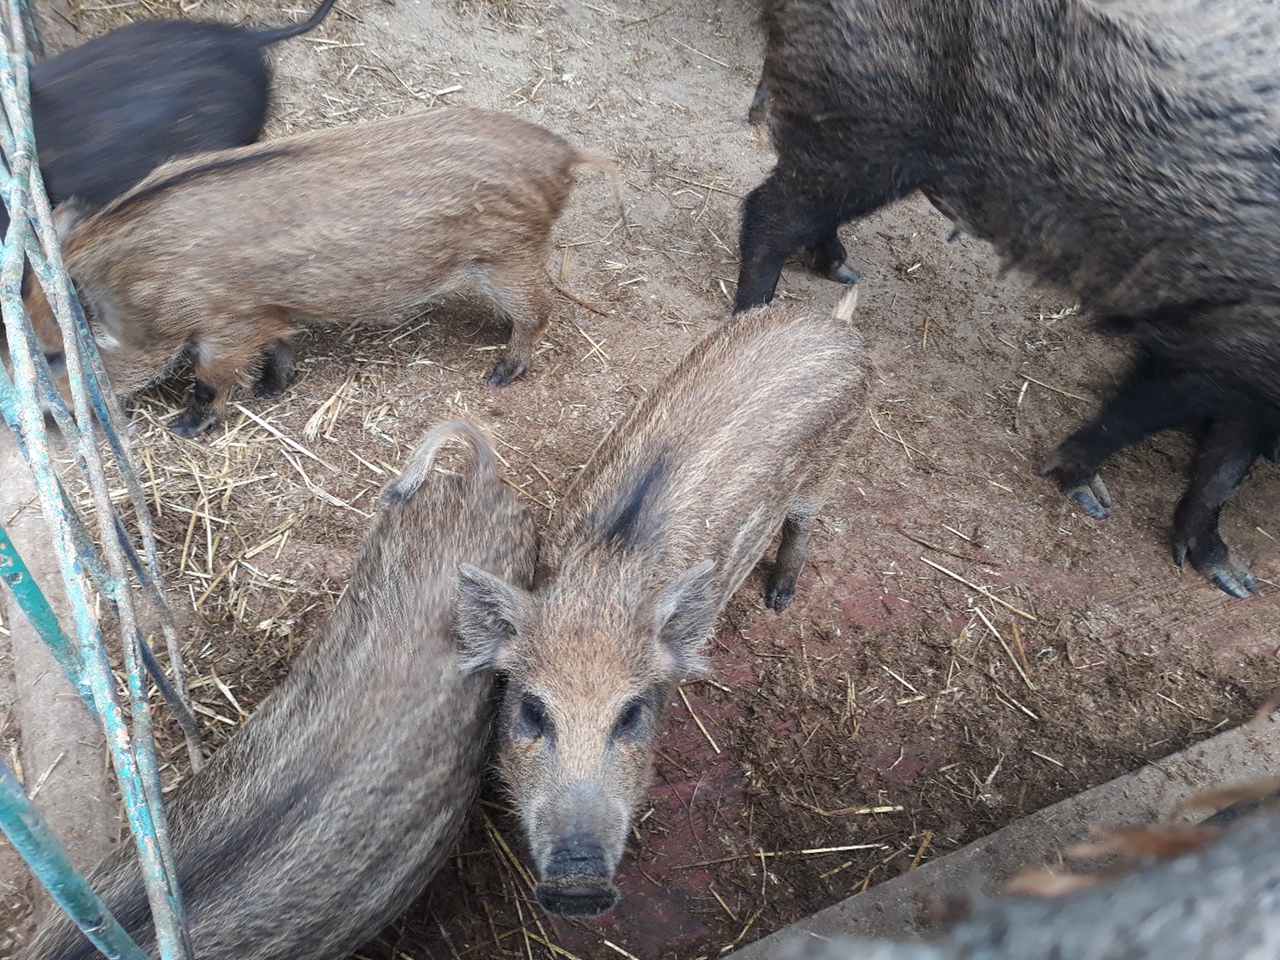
[891, 910]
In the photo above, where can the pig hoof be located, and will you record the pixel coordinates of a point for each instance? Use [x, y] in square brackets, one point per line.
[279, 374]
[1241, 586]
[504, 372]
[1092, 497]
[191, 423]
[759, 111]
[269, 387]
[577, 896]
[1087, 490]
[841, 273]
[1218, 567]
[779, 595]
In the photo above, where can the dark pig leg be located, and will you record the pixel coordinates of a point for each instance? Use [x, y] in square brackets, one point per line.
[828, 258]
[219, 361]
[793, 549]
[1152, 398]
[203, 411]
[1226, 451]
[788, 213]
[279, 370]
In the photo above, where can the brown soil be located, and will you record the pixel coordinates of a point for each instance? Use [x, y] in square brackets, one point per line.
[891, 714]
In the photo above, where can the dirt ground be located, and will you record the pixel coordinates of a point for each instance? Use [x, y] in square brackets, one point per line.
[897, 710]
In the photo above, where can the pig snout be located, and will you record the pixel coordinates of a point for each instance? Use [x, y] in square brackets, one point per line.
[578, 843]
[577, 880]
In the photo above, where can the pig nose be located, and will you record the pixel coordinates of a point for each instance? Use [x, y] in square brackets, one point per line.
[577, 896]
[577, 881]
[577, 855]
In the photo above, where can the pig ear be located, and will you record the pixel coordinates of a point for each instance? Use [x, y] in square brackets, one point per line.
[684, 616]
[489, 615]
[69, 215]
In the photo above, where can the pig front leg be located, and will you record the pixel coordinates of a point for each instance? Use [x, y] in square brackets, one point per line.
[236, 345]
[797, 209]
[206, 409]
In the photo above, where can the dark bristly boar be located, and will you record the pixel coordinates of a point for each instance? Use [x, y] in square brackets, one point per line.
[1122, 150]
[110, 111]
[219, 256]
[330, 809]
[672, 512]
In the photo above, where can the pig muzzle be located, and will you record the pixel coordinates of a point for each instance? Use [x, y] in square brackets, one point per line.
[577, 895]
[577, 882]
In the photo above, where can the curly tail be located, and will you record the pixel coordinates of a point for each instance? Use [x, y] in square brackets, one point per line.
[415, 471]
[613, 173]
[265, 38]
[846, 306]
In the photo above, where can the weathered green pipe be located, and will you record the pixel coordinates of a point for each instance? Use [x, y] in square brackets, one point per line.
[40, 847]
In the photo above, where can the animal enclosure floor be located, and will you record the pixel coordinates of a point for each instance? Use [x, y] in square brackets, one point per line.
[965, 646]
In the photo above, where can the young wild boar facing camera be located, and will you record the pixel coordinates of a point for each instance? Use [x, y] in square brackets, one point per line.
[219, 256]
[665, 522]
[1123, 150]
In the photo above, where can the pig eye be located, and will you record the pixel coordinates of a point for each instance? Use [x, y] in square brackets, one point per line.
[630, 722]
[531, 718]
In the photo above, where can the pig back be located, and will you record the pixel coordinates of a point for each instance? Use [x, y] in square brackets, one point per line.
[331, 808]
[707, 465]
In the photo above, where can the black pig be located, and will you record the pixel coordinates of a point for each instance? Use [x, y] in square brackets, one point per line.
[1124, 150]
[110, 111]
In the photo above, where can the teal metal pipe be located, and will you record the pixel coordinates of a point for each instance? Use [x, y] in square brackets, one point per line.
[40, 847]
[32, 602]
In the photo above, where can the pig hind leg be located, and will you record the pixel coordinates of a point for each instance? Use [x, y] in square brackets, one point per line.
[522, 301]
[1226, 451]
[279, 370]
[1153, 397]
[792, 552]
[802, 514]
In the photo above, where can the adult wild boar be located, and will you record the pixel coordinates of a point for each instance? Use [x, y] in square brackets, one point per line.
[219, 256]
[672, 512]
[1123, 150]
[326, 814]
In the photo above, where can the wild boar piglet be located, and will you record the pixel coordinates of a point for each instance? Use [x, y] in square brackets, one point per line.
[221, 257]
[667, 519]
[325, 815]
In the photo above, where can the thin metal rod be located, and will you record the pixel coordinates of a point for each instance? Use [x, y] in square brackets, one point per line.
[36, 608]
[39, 846]
[133, 758]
